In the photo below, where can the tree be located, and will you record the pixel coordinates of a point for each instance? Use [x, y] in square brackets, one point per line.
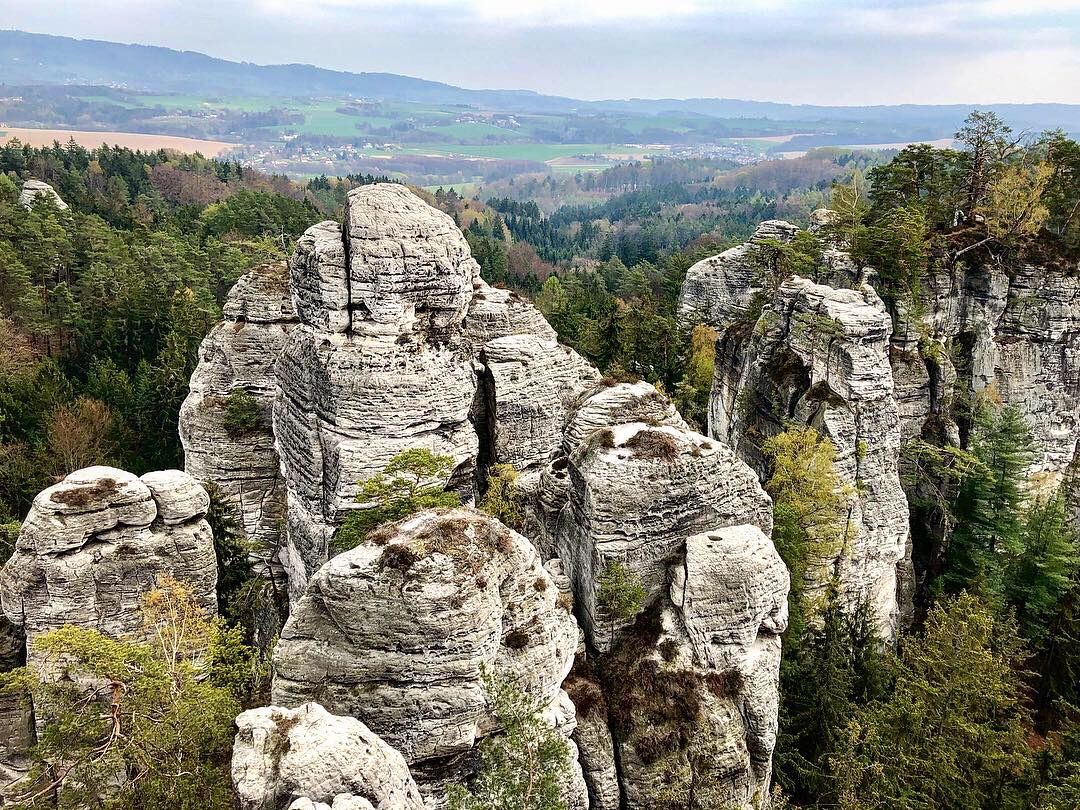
[693, 390]
[524, 766]
[989, 527]
[952, 734]
[411, 481]
[502, 499]
[987, 144]
[79, 434]
[620, 591]
[1040, 576]
[1015, 201]
[809, 505]
[836, 666]
[137, 722]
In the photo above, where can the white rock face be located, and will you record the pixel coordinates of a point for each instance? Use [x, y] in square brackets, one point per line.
[632, 505]
[402, 345]
[820, 356]
[718, 290]
[239, 354]
[406, 258]
[632, 484]
[32, 190]
[396, 633]
[826, 356]
[95, 542]
[306, 757]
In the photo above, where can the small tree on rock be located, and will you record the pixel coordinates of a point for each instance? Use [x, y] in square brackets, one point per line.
[410, 482]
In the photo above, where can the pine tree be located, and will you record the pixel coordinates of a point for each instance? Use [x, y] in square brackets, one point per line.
[989, 506]
[952, 735]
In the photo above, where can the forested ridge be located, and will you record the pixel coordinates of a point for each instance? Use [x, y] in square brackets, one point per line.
[103, 306]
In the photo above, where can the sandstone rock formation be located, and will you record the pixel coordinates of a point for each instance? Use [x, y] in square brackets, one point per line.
[632, 484]
[94, 543]
[33, 190]
[237, 358]
[401, 345]
[398, 633]
[306, 757]
[819, 355]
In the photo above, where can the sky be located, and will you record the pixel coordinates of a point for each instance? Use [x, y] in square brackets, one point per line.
[799, 51]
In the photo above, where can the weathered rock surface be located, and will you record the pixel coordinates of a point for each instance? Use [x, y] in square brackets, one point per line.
[632, 484]
[820, 356]
[239, 355]
[637, 501]
[33, 190]
[718, 290]
[397, 632]
[402, 345]
[825, 356]
[306, 757]
[95, 542]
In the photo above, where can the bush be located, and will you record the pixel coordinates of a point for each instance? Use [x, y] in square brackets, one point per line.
[242, 413]
[410, 482]
[502, 499]
[620, 591]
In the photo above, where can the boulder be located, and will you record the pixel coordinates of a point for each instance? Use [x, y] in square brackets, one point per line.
[399, 632]
[95, 542]
[34, 190]
[306, 757]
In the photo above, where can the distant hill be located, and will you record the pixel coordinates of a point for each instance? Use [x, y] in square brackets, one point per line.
[27, 58]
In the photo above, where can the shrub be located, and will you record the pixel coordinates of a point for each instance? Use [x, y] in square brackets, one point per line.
[242, 413]
[410, 482]
[502, 499]
[620, 591]
[654, 444]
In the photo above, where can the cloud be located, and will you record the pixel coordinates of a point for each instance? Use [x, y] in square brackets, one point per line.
[814, 51]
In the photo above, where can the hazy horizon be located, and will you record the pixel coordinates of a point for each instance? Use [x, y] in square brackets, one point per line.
[835, 52]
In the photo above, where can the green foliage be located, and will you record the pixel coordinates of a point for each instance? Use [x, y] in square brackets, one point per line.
[522, 767]
[834, 667]
[502, 499]
[411, 481]
[952, 734]
[242, 413]
[129, 723]
[1036, 580]
[693, 390]
[620, 591]
[990, 529]
[110, 300]
[231, 548]
[809, 505]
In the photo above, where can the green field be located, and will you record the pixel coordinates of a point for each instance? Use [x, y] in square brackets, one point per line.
[540, 152]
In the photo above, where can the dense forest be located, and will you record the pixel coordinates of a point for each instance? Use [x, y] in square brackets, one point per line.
[103, 306]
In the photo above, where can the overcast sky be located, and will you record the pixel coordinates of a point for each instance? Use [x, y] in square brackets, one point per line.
[813, 51]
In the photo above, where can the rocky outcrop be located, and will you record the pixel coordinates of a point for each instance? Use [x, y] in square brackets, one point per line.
[34, 190]
[94, 543]
[1012, 332]
[820, 356]
[399, 633]
[719, 290]
[402, 345]
[631, 485]
[306, 757]
[237, 359]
